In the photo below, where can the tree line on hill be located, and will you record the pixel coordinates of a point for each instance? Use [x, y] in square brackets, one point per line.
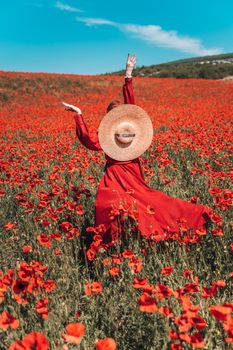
[208, 67]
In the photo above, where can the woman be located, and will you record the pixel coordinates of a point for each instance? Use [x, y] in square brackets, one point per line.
[123, 185]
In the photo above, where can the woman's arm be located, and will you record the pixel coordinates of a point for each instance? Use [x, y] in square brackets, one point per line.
[88, 138]
[128, 86]
[128, 91]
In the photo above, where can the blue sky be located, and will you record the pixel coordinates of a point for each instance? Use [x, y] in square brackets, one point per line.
[91, 36]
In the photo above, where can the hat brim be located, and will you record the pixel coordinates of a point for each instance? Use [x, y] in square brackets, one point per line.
[142, 126]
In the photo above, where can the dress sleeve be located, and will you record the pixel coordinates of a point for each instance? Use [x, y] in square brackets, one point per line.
[88, 138]
[128, 91]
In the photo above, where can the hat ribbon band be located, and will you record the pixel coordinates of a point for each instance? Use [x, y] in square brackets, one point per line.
[125, 135]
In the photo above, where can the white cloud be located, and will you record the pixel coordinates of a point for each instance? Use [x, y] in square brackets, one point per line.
[97, 21]
[171, 39]
[66, 7]
[155, 35]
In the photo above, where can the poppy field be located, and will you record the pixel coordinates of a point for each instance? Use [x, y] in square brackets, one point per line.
[60, 286]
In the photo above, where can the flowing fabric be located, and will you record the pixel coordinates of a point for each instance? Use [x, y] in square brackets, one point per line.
[123, 184]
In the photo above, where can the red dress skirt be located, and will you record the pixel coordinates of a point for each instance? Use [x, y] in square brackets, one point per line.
[123, 184]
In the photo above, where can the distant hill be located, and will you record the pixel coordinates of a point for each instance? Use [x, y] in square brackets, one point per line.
[206, 67]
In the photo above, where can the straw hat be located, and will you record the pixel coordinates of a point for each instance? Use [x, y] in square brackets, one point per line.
[125, 132]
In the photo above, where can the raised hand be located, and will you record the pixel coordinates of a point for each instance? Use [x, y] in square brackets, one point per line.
[72, 108]
[130, 64]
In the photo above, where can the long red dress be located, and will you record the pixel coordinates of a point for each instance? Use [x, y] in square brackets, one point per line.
[123, 183]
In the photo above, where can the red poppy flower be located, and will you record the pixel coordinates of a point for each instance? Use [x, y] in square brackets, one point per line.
[19, 286]
[128, 254]
[166, 311]
[218, 231]
[74, 333]
[49, 285]
[56, 236]
[173, 334]
[9, 226]
[136, 264]
[105, 344]
[78, 314]
[220, 283]
[93, 288]
[106, 262]
[156, 236]
[66, 226]
[188, 273]
[27, 249]
[34, 340]
[57, 251]
[79, 209]
[147, 303]
[196, 340]
[91, 253]
[41, 307]
[114, 271]
[216, 218]
[220, 311]
[7, 320]
[201, 232]
[140, 283]
[162, 291]
[44, 240]
[45, 222]
[166, 270]
[175, 346]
